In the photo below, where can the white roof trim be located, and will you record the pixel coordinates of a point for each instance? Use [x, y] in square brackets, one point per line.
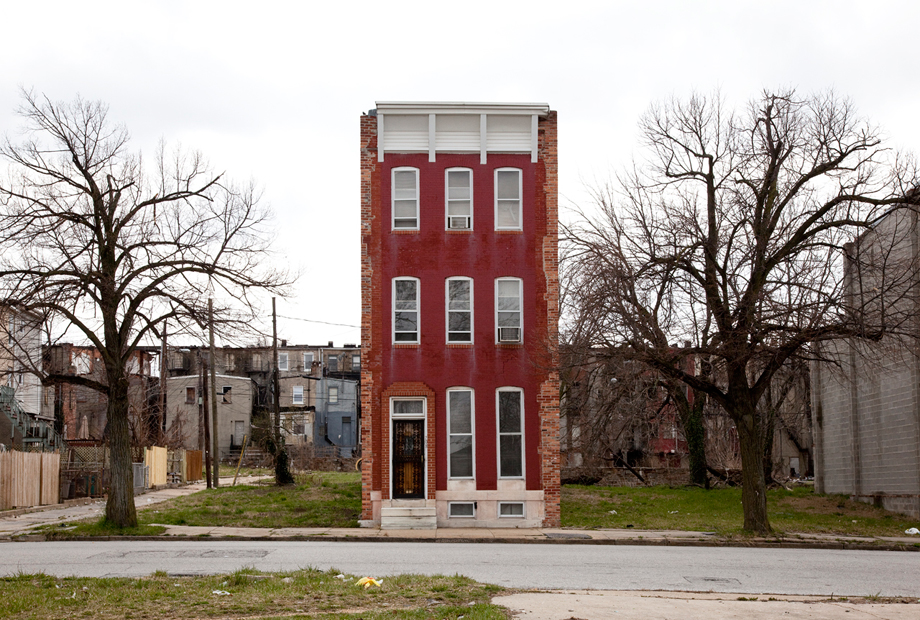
[460, 107]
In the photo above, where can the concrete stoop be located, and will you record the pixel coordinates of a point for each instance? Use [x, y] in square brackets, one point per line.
[408, 518]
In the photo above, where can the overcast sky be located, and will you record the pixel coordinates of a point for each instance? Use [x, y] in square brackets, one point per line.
[274, 90]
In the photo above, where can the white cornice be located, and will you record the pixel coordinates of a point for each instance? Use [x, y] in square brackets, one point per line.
[460, 107]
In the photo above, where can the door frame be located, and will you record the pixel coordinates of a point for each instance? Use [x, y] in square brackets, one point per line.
[423, 416]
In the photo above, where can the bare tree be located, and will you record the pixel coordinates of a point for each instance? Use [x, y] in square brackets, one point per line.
[94, 242]
[730, 236]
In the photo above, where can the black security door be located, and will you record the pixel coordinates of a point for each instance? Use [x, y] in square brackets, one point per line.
[408, 459]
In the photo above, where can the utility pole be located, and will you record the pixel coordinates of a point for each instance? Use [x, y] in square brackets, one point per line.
[207, 427]
[275, 382]
[215, 453]
[163, 367]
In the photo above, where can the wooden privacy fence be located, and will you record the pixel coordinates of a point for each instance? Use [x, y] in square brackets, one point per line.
[29, 479]
[193, 465]
[155, 460]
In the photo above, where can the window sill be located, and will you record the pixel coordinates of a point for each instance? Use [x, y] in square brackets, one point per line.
[509, 345]
[509, 232]
[402, 231]
[459, 345]
[459, 231]
[405, 345]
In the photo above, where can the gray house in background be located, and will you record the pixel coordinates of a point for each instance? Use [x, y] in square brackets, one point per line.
[235, 398]
[336, 416]
[866, 405]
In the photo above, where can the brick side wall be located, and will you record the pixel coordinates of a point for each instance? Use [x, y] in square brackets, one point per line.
[549, 388]
[370, 300]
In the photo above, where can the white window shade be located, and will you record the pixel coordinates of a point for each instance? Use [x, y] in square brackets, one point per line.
[508, 134]
[407, 133]
[459, 133]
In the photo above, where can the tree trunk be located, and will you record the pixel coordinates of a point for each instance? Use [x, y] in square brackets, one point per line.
[119, 508]
[696, 443]
[753, 486]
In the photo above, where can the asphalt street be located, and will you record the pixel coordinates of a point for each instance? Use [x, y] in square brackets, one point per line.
[545, 566]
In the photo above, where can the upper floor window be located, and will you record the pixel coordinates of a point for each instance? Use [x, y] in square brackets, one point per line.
[283, 360]
[333, 395]
[508, 199]
[332, 363]
[459, 310]
[510, 432]
[227, 394]
[308, 361]
[356, 362]
[508, 306]
[460, 432]
[405, 310]
[404, 192]
[458, 194]
[297, 395]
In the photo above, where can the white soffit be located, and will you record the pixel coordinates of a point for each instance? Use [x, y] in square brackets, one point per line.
[458, 127]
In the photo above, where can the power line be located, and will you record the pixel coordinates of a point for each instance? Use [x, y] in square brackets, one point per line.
[291, 318]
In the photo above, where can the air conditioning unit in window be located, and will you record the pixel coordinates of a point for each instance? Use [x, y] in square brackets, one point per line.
[509, 334]
[458, 222]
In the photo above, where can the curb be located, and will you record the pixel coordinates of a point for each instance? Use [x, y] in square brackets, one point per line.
[753, 544]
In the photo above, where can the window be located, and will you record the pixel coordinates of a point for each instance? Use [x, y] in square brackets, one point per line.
[227, 397]
[461, 509]
[508, 199]
[459, 310]
[10, 330]
[460, 432]
[356, 362]
[308, 361]
[511, 509]
[297, 395]
[283, 360]
[405, 310]
[508, 309]
[458, 195]
[405, 198]
[332, 363]
[333, 395]
[189, 396]
[510, 432]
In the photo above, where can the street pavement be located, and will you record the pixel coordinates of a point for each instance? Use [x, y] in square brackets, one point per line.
[648, 580]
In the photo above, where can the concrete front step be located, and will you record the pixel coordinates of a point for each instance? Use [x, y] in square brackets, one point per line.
[409, 518]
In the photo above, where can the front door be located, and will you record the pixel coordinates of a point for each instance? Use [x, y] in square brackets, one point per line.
[408, 459]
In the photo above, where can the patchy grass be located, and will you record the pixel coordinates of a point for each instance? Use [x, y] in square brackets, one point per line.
[248, 593]
[719, 510]
[321, 499]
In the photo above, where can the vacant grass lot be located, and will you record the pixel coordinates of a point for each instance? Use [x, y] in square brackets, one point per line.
[320, 499]
[247, 594]
[719, 510]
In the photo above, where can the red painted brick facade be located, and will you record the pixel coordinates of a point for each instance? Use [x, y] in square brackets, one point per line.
[429, 368]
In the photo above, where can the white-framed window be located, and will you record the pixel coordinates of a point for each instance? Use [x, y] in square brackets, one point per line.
[510, 410]
[460, 432]
[333, 395]
[405, 310]
[404, 190]
[508, 191]
[459, 308]
[356, 362]
[283, 360]
[508, 310]
[458, 198]
[308, 360]
[408, 407]
[332, 363]
[463, 510]
[297, 395]
[511, 509]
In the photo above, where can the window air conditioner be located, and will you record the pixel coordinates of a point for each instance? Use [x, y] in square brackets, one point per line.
[509, 334]
[461, 222]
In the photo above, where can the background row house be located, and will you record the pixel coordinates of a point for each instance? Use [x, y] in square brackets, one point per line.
[460, 306]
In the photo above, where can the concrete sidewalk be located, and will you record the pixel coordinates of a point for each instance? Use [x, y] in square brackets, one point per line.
[607, 604]
[22, 523]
